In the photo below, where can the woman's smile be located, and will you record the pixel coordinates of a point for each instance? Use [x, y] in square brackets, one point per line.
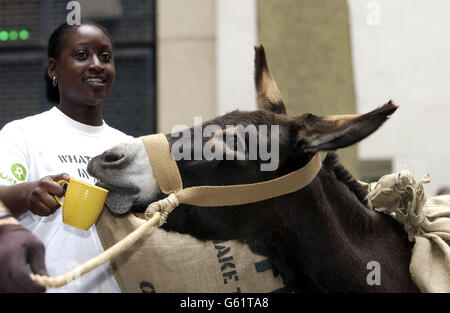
[95, 81]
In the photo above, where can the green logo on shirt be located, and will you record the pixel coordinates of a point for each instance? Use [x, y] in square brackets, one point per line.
[19, 171]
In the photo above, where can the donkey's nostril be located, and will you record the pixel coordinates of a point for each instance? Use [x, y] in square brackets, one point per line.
[113, 158]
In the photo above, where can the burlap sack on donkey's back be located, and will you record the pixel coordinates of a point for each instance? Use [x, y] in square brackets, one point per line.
[171, 262]
[430, 263]
[427, 222]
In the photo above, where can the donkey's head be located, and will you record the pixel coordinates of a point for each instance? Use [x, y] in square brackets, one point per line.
[236, 148]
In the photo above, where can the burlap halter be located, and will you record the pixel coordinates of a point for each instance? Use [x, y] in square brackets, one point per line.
[166, 173]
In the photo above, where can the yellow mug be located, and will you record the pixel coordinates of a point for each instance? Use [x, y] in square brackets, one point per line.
[82, 204]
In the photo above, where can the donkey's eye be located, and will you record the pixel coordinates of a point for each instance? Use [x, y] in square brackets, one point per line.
[235, 143]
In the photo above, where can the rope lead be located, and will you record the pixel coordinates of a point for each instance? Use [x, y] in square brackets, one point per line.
[156, 214]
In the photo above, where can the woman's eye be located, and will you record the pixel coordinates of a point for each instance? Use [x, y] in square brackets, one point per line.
[80, 54]
[106, 57]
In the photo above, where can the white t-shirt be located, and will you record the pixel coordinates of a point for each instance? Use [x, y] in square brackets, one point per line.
[52, 143]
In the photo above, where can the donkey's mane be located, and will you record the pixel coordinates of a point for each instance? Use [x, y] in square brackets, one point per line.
[332, 162]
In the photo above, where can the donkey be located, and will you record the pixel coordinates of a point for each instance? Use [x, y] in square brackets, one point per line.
[322, 238]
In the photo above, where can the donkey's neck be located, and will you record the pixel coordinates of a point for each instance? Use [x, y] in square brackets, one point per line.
[335, 215]
[343, 205]
[343, 238]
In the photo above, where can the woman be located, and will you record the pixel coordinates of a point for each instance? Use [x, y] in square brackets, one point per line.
[38, 151]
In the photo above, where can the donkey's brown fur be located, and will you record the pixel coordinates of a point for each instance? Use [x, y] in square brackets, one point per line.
[319, 238]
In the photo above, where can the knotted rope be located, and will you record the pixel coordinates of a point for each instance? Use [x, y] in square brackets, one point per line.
[155, 214]
[169, 180]
[164, 206]
[404, 197]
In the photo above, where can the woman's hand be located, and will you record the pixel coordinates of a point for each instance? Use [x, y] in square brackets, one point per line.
[40, 197]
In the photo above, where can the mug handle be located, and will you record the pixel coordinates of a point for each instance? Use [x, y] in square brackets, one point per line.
[60, 183]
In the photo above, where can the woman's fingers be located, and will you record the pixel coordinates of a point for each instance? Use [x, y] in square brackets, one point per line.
[42, 196]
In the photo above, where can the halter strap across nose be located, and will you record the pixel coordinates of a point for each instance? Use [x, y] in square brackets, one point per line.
[168, 177]
[164, 167]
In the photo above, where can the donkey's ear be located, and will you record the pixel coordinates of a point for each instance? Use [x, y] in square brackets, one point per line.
[340, 131]
[267, 93]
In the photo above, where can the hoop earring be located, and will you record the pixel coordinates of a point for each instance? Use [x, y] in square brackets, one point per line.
[55, 81]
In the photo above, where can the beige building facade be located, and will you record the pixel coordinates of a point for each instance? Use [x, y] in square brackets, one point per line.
[205, 58]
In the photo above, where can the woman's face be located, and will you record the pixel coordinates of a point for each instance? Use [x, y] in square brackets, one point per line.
[85, 69]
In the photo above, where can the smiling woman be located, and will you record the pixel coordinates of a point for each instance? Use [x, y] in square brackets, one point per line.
[57, 144]
[81, 71]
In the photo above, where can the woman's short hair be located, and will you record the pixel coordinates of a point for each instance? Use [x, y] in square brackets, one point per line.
[55, 43]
